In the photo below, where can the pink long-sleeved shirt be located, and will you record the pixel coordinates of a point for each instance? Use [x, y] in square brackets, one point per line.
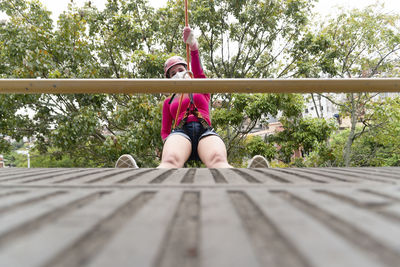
[201, 101]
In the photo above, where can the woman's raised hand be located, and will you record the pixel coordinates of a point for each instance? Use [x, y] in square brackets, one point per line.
[188, 37]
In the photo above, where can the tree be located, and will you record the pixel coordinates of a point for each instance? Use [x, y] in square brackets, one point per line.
[357, 43]
[20, 39]
[255, 145]
[13, 123]
[379, 146]
[235, 119]
[97, 127]
[305, 134]
[128, 39]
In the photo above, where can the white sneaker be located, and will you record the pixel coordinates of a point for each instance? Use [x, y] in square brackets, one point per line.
[258, 162]
[126, 161]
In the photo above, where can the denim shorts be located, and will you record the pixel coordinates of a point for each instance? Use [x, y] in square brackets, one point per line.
[194, 132]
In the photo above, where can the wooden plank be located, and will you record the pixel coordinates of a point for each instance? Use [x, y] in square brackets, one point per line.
[362, 178]
[284, 178]
[361, 227]
[140, 240]
[68, 177]
[5, 192]
[18, 200]
[271, 248]
[224, 241]
[307, 176]
[391, 212]
[390, 169]
[65, 235]
[121, 177]
[156, 176]
[27, 218]
[387, 170]
[180, 246]
[180, 176]
[319, 245]
[381, 229]
[19, 174]
[200, 217]
[262, 177]
[26, 179]
[11, 171]
[337, 178]
[392, 193]
[149, 86]
[91, 178]
[369, 174]
[204, 177]
[232, 177]
[250, 176]
[355, 197]
[60, 176]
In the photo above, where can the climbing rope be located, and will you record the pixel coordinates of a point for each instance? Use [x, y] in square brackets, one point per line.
[187, 61]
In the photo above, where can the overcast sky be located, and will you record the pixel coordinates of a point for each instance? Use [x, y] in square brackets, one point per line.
[323, 7]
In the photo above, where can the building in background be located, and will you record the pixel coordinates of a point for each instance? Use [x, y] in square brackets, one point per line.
[320, 107]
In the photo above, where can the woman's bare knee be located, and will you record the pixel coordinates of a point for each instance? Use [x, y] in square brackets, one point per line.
[216, 159]
[173, 160]
[212, 152]
[173, 157]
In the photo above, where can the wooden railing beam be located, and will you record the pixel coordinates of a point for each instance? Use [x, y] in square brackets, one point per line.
[150, 86]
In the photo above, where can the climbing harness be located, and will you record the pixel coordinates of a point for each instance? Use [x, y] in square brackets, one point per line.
[192, 109]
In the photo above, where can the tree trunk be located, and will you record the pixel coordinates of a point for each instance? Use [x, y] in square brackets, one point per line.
[320, 106]
[228, 130]
[350, 139]
[315, 105]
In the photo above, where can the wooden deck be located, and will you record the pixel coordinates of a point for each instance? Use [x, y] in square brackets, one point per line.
[200, 217]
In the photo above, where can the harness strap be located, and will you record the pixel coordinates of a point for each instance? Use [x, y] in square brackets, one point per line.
[172, 98]
[196, 113]
[178, 111]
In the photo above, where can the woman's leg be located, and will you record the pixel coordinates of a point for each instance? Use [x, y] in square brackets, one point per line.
[176, 152]
[212, 152]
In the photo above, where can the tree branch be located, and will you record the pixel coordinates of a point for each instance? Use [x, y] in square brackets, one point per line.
[331, 100]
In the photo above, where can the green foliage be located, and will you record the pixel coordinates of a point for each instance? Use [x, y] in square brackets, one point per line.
[255, 145]
[87, 43]
[238, 114]
[129, 39]
[55, 159]
[379, 145]
[14, 159]
[253, 33]
[301, 133]
[354, 44]
[324, 155]
[12, 121]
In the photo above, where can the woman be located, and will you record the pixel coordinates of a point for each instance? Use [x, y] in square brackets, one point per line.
[193, 137]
